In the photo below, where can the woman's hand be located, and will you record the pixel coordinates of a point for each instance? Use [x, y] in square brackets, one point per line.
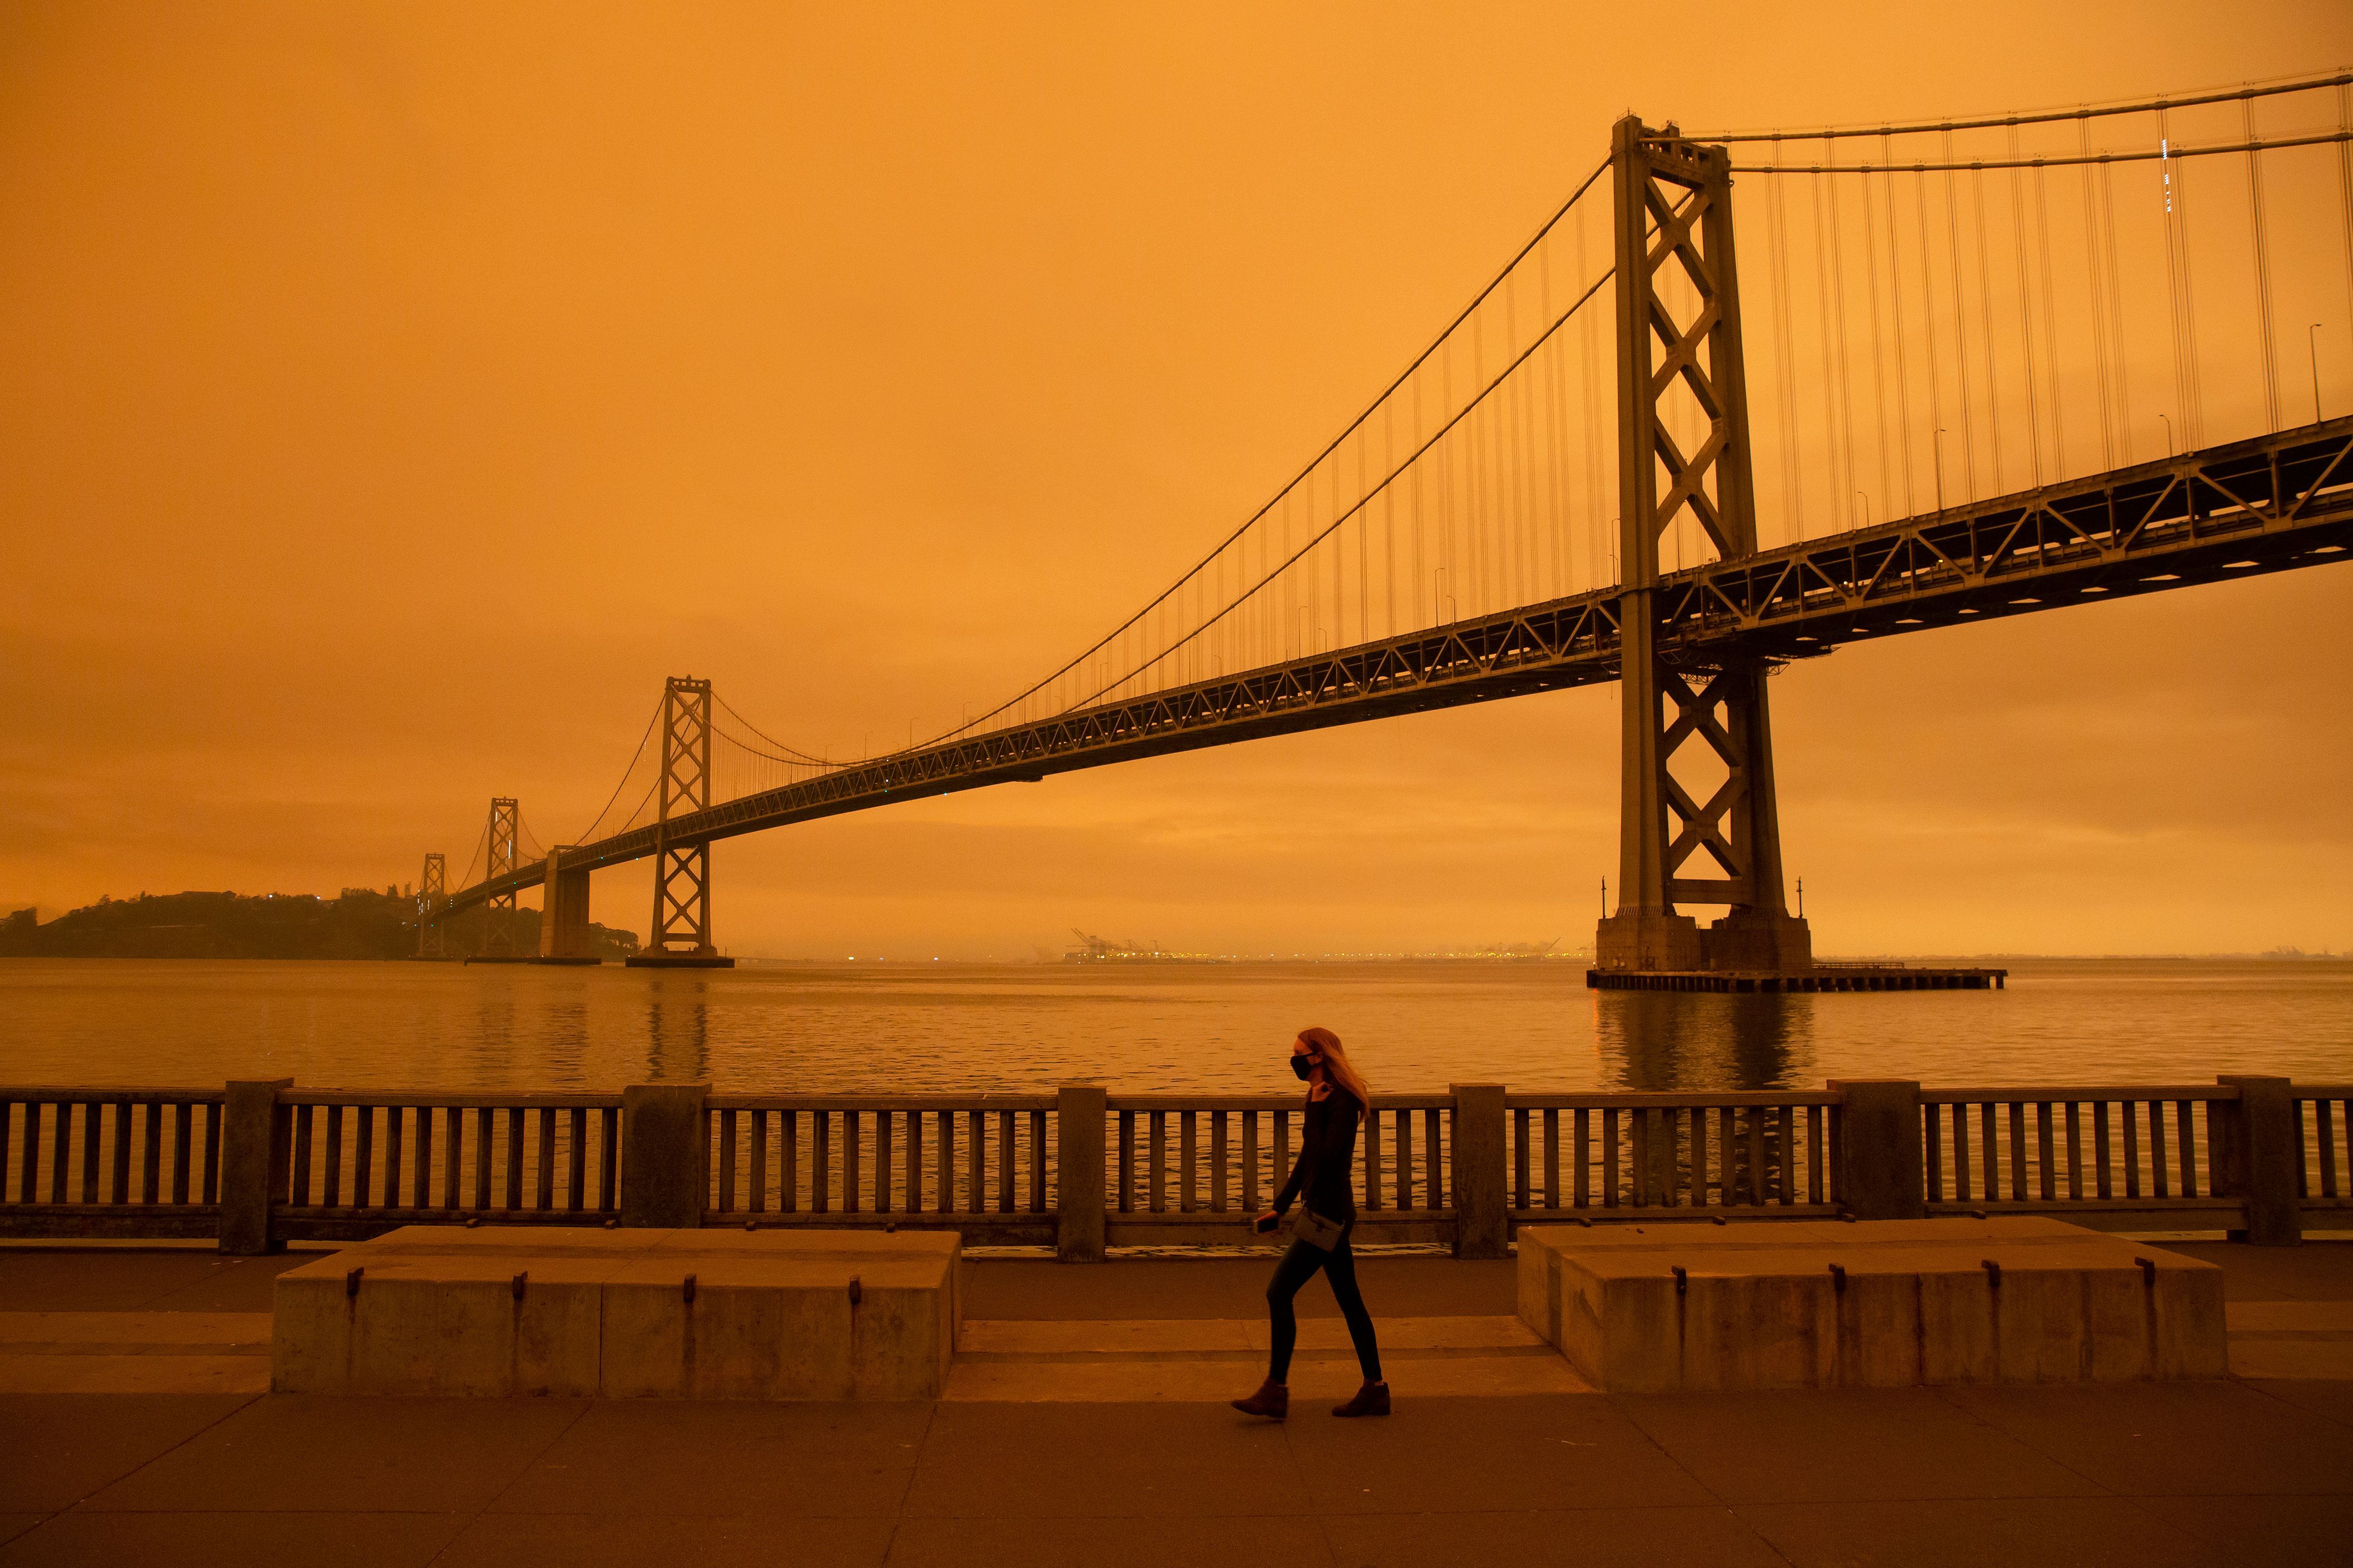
[1266, 1222]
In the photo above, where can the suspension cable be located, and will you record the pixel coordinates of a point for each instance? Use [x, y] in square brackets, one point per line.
[588, 834]
[2086, 111]
[2318, 138]
[1477, 400]
[790, 753]
[1418, 361]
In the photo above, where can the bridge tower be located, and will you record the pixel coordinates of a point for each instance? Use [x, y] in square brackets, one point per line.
[1712, 709]
[432, 892]
[680, 937]
[498, 916]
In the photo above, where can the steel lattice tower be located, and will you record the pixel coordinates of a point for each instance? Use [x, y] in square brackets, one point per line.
[683, 872]
[1673, 227]
[432, 892]
[498, 929]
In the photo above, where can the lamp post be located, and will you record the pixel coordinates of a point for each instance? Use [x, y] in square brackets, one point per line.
[2168, 434]
[1866, 509]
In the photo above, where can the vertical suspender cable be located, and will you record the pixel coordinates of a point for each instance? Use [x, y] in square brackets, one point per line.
[2176, 225]
[2025, 313]
[1961, 325]
[1928, 321]
[1838, 324]
[1784, 354]
[1603, 542]
[1878, 348]
[1421, 584]
[1510, 441]
[2345, 198]
[2116, 312]
[1563, 573]
[2100, 347]
[1837, 508]
[1903, 369]
[2263, 269]
[2050, 329]
[1985, 314]
[1388, 522]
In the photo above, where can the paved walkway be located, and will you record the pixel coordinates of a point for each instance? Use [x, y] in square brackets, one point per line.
[1083, 1425]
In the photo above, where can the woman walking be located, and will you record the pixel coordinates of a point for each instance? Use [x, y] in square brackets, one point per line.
[1336, 1098]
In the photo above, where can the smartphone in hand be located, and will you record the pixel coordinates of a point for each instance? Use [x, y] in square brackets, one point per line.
[1266, 1222]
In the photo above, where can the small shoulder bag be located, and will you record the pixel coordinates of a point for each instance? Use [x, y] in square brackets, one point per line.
[1316, 1231]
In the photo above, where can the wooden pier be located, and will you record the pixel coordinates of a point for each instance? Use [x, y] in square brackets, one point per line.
[1821, 977]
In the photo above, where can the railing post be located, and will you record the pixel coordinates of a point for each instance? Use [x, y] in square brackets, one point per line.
[1482, 1227]
[254, 1136]
[1079, 1112]
[2258, 1147]
[665, 1155]
[1879, 1174]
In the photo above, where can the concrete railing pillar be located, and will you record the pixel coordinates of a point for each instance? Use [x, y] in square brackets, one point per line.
[1079, 1112]
[2258, 1149]
[1878, 1156]
[255, 1132]
[665, 1155]
[1482, 1216]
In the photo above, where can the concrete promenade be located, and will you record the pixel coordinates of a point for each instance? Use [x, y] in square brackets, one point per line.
[1083, 1424]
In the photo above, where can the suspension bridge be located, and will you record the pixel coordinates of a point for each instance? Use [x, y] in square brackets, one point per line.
[2005, 365]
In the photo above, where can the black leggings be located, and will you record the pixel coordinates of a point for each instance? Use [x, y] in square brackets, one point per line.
[1298, 1267]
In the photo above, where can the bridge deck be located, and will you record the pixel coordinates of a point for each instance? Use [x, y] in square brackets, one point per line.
[2270, 504]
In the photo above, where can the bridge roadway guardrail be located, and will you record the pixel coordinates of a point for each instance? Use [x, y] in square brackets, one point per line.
[256, 1164]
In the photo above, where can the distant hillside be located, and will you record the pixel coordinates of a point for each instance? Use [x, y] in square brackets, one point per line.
[361, 923]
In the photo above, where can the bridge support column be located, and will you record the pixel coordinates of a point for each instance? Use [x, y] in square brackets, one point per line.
[1674, 208]
[564, 914]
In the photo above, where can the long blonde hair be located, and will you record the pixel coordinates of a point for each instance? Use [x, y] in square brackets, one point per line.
[1338, 1068]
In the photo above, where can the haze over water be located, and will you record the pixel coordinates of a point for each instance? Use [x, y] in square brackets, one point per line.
[957, 1027]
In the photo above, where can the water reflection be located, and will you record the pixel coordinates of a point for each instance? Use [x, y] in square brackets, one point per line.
[1204, 1029]
[678, 1029]
[1662, 1041]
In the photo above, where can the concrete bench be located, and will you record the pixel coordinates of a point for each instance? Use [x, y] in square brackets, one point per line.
[692, 1314]
[1824, 1304]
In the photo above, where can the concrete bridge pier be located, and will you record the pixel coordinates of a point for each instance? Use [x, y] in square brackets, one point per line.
[563, 935]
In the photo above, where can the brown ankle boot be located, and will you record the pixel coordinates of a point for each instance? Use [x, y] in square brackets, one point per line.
[1271, 1400]
[1373, 1399]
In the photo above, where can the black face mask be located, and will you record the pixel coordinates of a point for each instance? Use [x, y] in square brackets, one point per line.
[1301, 1066]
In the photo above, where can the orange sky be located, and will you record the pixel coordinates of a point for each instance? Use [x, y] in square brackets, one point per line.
[391, 395]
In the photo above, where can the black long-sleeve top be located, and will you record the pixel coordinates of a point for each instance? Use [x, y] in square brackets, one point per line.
[1328, 1152]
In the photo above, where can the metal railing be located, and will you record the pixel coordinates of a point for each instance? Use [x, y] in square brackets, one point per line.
[109, 1161]
[2148, 1148]
[361, 1162]
[1171, 1184]
[2324, 1120]
[977, 1164]
[260, 1163]
[1744, 1153]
